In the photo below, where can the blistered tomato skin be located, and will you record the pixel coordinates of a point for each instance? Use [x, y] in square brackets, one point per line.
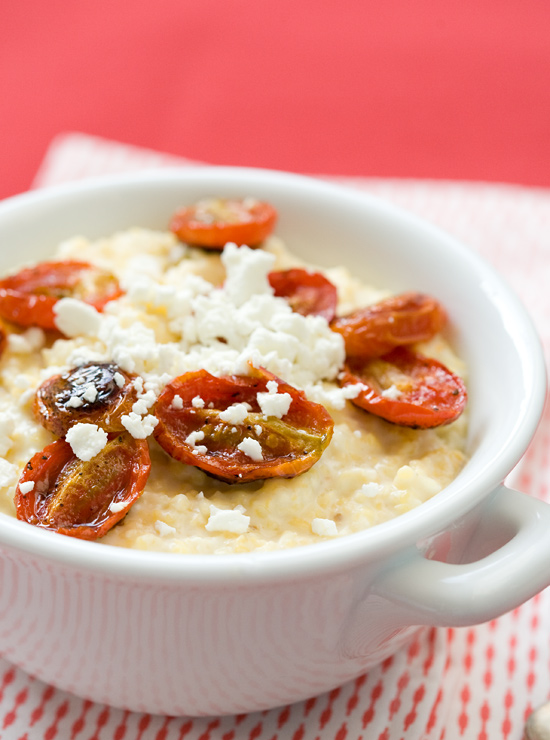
[73, 497]
[288, 446]
[213, 222]
[89, 394]
[397, 321]
[407, 389]
[308, 293]
[28, 297]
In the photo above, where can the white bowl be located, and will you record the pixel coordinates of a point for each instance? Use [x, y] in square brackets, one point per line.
[204, 635]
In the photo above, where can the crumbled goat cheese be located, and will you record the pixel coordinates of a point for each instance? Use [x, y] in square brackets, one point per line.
[116, 506]
[272, 386]
[252, 448]
[90, 394]
[86, 440]
[221, 329]
[192, 440]
[324, 527]
[177, 402]
[138, 426]
[75, 318]
[235, 414]
[227, 520]
[371, 490]
[353, 390]
[165, 530]
[197, 402]
[194, 437]
[74, 402]
[147, 398]
[119, 379]
[333, 397]
[140, 407]
[274, 404]
[138, 384]
[392, 393]
[27, 486]
[133, 348]
[247, 271]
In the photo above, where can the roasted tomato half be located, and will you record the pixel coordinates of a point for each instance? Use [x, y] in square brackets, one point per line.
[93, 393]
[407, 388]
[217, 424]
[28, 297]
[213, 222]
[306, 292]
[404, 319]
[82, 499]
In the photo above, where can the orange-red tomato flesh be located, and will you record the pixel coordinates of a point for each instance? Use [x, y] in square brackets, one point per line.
[400, 320]
[28, 297]
[407, 389]
[308, 293]
[73, 497]
[213, 222]
[289, 446]
[63, 400]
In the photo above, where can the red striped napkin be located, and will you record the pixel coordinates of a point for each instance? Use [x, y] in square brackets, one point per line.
[477, 683]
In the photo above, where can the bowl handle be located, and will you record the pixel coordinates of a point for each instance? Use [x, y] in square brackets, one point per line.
[450, 595]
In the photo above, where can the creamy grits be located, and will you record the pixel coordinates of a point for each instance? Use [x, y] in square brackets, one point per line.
[185, 309]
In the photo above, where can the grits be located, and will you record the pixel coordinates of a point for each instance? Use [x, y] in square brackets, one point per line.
[171, 321]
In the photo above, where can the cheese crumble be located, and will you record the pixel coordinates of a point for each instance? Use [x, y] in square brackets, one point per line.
[235, 414]
[138, 426]
[76, 318]
[86, 440]
[116, 506]
[177, 402]
[274, 404]
[227, 520]
[324, 527]
[252, 448]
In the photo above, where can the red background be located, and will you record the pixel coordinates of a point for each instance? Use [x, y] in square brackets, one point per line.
[419, 88]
